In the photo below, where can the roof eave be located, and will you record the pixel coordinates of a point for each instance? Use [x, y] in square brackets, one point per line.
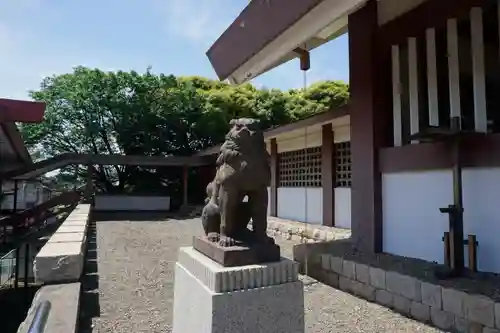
[245, 50]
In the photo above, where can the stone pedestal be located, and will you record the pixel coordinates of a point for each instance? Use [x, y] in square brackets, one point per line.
[210, 298]
[241, 255]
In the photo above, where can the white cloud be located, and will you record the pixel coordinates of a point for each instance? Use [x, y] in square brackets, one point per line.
[199, 21]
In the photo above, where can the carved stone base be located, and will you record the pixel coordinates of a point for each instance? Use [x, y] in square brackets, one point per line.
[240, 255]
[209, 298]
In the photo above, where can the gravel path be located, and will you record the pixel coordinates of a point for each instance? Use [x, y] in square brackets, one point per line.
[132, 290]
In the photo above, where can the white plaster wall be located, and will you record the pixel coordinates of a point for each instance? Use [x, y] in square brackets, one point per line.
[137, 203]
[301, 204]
[343, 207]
[414, 227]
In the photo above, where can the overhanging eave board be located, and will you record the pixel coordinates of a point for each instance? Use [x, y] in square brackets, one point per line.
[265, 34]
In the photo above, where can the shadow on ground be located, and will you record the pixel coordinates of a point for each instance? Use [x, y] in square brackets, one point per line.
[135, 216]
[89, 300]
[14, 305]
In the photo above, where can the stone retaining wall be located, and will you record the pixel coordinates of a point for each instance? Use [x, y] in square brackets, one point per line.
[61, 258]
[63, 314]
[446, 308]
[306, 232]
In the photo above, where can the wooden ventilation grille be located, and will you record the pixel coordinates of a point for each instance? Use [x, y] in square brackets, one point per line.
[343, 163]
[300, 168]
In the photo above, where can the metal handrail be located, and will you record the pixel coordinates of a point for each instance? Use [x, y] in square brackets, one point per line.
[40, 318]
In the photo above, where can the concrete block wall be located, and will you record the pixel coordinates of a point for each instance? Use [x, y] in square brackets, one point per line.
[305, 232]
[61, 259]
[445, 308]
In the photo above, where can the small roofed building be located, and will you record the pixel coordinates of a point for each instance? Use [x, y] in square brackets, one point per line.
[310, 165]
[14, 154]
[423, 110]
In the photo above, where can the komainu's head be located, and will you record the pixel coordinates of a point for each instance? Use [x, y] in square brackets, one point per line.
[245, 131]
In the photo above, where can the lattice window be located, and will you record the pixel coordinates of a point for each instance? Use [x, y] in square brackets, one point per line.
[343, 164]
[300, 168]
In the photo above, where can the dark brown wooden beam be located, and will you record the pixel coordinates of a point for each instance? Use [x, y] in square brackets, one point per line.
[57, 162]
[185, 180]
[369, 124]
[273, 211]
[430, 14]
[328, 174]
[89, 190]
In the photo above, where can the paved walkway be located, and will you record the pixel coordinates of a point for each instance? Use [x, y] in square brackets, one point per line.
[129, 285]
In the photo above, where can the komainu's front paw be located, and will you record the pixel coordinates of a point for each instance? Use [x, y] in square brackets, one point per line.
[226, 241]
[213, 237]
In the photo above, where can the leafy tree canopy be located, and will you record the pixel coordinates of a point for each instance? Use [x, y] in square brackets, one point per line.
[92, 111]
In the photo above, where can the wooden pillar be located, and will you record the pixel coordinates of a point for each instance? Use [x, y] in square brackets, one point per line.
[89, 190]
[328, 176]
[273, 211]
[16, 198]
[371, 117]
[185, 177]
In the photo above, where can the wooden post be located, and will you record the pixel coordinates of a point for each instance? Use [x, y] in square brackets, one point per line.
[90, 185]
[16, 189]
[446, 242]
[472, 247]
[185, 178]
[27, 258]
[328, 175]
[371, 118]
[273, 210]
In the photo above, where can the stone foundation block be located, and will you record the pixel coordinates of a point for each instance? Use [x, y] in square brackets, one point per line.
[432, 295]
[248, 299]
[420, 312]
[325, 262]
[403, 285]
[345, 284]
[463, 325]
[64, 237]
[385, 298]
[332, 279]
[454, 302]
[442, 319]
[65, 305]
[377, 278]
[363, 273]
[402, 304]
[363, 290]
[480, 309]
[336, 265]
[349, 269]
[59, 262]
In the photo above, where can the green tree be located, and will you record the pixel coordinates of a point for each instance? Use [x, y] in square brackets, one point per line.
[91, 111]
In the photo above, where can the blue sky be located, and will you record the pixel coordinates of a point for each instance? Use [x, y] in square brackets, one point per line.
[39, 38]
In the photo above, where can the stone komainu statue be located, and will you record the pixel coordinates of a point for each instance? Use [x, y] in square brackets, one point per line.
[242, 170]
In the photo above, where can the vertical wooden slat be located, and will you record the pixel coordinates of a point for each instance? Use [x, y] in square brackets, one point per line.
[413, 85]
[185, 183]
[453, 68]
[478, 70]
[273, 211]
[432, 84]
[89, 190]
[328, 174]
[396, 97]
[498, 18]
